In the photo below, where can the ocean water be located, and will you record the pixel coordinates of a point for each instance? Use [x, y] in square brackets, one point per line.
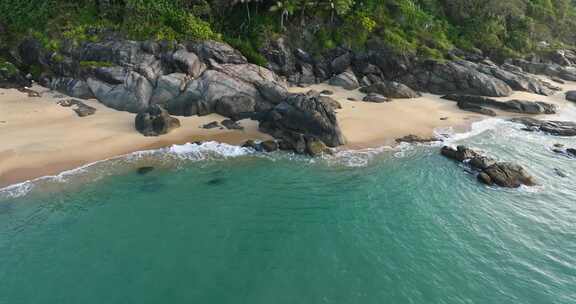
[219, 224]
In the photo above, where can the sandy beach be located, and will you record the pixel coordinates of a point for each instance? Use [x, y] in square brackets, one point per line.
[40, 137]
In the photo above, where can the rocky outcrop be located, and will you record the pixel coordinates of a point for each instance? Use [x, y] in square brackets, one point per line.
[194, 78]
[454, 77]
[301, 121]
[549, 69]
[391, 89]
[515, 106]
[557, 128]
[490, 171]
[155, 121]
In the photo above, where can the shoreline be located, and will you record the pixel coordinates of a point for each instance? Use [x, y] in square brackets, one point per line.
[44, 139]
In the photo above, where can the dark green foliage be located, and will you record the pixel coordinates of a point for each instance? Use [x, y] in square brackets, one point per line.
[429, 28]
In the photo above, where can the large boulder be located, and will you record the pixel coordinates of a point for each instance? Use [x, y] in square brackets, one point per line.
[133, 95]
[155, 121]
[454, 77]
[303, 118]
[188, 63]
[515, 106]
[489, 171]
[236, 106]
[391, 89]
[346, 80]
[552, 127]
[517, 80]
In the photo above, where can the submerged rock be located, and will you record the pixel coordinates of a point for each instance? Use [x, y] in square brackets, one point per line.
[490, 172]
[558, 128]
[144, 170]
[155, 121]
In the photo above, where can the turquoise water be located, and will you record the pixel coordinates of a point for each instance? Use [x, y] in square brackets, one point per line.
[396, 226]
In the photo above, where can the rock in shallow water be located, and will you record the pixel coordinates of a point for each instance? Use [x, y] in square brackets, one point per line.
[552, 127]
[416, 139]
[490, 172]
[145, 170]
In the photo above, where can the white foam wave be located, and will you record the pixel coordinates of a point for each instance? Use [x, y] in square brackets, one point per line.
[196, 152]
[17, 190]
[477, 128]
[208, 150]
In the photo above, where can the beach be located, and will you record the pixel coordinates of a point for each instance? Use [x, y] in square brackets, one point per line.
[40, 137]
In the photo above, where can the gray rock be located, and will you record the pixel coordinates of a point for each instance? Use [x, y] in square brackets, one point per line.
[471, 107]
[211, 125]
[132, 96]
[377, 98]
[416, 139]
[461, 77]
[346, 80]
[341, 63]
[490, 171]
[303, 116]
[558, 128]
[71, 87]
[218, 51]
[330, 101]
[468, 102]
[235, 106]
[188, 63]
[111, 75]
[155, 121]
[231, 125]
[391, 89]
[270, 146]
[78, 106]
[571, 96]
[169, 87]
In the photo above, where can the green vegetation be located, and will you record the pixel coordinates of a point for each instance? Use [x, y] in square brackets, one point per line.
[429, 28]
[7, 68]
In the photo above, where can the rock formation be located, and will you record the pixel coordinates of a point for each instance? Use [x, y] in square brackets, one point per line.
[155, 121]
[490, 172]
